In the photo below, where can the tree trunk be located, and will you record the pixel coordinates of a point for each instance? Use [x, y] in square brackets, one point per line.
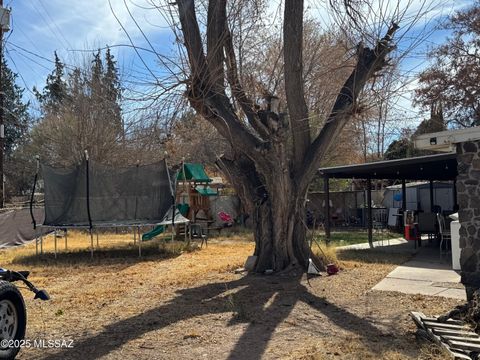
[278, 213]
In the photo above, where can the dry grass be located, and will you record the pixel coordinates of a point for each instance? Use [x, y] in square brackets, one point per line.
[181, 301]
[120, 252]
[433, 352]
[354, 348]
[327, 253]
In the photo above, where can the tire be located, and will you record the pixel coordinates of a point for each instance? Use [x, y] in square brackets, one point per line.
[13, 318]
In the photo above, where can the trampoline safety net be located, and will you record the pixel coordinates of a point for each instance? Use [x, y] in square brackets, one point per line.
[116, 196]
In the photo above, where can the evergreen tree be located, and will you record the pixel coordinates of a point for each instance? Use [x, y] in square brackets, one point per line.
[436, 122]
[76, 87]
[16, 116]
[18, 163]
[84, 114]
[96, 80]
[404, 147]
[54, 93]
[113, 92]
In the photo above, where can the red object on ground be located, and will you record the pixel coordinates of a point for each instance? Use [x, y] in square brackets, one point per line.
[332, 269]
[411, 232]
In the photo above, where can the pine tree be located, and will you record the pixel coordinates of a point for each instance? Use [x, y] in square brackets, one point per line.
[18, 163]
[113, 91]
[54, 93]
[16, 116]
[84, 114]
[96, 80]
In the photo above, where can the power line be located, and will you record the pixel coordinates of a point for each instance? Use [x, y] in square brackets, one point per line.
[68, 66]
[48, 25]
[54, 24]
[18, 72]
[30, 59]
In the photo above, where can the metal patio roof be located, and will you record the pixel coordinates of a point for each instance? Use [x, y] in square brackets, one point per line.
[430, 167]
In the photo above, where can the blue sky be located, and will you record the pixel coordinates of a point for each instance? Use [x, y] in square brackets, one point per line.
[40, 27]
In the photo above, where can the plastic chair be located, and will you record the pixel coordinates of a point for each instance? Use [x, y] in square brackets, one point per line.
[198, 231]
[445, 235]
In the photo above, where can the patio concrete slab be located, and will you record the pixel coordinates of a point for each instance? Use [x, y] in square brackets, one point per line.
[407, 286]
[453, 293]
[427, 274]
[378, 245]
[418, 271]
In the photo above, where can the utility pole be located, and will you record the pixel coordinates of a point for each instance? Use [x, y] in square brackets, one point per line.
[2, 126]
[4, 26]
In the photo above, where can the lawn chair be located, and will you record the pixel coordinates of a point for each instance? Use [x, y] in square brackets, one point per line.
[428, 224]
[198, 231]
[445, 235]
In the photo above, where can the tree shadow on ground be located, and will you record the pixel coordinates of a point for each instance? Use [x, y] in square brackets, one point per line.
[262, 302]
[373, 256]
[124, 255]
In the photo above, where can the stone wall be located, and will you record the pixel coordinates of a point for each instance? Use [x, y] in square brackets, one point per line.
[468, 194]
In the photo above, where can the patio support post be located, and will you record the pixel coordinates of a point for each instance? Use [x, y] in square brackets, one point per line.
[369, 212]
[455, 200]
[431, 196]
[326, 189]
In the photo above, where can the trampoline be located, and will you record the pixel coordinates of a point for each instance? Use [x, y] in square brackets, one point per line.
[92, 195]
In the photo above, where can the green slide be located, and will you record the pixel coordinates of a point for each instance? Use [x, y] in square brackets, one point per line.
[151, 234]
[183, 208]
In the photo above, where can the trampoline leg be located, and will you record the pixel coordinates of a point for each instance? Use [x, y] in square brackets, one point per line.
[55, 241]
[91, 243]
[139, 244]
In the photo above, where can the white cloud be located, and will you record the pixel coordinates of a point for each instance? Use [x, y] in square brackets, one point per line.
[90, 22]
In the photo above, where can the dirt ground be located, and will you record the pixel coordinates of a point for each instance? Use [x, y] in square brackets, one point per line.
[192, 305]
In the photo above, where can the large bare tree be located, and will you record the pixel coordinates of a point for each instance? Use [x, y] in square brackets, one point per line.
[275, 156]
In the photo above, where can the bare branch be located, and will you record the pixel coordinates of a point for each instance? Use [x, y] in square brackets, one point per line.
[294, 89]
[214, 106]
[369, 62]
[245, 103]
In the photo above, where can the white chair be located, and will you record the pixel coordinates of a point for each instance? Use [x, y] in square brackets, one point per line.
[198, 231]
[445, 235]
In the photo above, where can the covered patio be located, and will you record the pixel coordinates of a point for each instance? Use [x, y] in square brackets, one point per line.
[423, 168]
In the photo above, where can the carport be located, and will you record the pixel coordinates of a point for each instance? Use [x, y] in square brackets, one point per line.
[422, 168]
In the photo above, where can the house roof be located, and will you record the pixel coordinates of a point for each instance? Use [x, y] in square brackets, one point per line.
[431, 167]
[445, 140]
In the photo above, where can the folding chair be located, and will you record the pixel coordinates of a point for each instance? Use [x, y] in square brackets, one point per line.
[445, 235]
